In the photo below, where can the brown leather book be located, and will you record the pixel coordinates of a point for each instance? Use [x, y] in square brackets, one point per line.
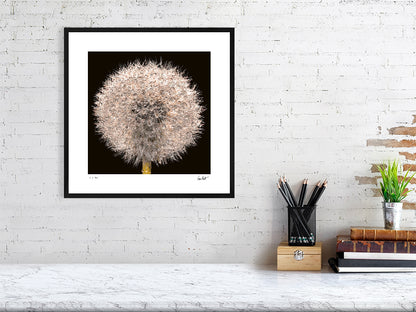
[346, 244]
[381, 234]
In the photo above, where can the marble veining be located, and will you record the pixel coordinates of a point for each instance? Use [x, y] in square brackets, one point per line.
[198, 287]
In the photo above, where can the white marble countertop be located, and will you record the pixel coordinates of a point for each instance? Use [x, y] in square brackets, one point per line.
[198, 287]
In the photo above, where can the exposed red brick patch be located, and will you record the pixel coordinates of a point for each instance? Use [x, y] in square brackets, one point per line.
[391, 143]
[409, 156]
[378, 142]
[412, 181]
[366, 180]
[403, 131]
[375, 169]
[376, 192]
[407, 205]
[410, 167]
[414, 119]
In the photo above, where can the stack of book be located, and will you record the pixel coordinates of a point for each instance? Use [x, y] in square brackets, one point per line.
[375, 250]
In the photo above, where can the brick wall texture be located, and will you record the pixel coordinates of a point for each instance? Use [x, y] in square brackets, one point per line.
[324, 89]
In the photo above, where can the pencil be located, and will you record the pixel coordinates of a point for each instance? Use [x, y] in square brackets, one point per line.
[313, 194]
[286, 192]
[319, 194]
[290, 193]
[316, 194]
[294, 227]
[302, 192]
[302, 221]
[283, 194]
[315, 201]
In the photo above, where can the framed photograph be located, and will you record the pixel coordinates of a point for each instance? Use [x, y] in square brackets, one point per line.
[149, 112]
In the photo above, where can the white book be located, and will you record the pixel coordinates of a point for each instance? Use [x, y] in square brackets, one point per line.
[375, 269]
[379, 256]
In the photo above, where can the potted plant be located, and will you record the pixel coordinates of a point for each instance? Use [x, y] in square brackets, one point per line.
[393, 190]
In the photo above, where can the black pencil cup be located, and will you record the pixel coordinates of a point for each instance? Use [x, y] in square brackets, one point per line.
[302, 226]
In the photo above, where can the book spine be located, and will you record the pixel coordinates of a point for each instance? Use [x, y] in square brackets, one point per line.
[376, 246]
[375, 263]
[382, 235]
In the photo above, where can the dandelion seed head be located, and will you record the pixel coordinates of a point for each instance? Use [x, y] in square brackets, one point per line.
[148, 111]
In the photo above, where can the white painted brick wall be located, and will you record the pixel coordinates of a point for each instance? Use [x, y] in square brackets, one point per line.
[314, 81]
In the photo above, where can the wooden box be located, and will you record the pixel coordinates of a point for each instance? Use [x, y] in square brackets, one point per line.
[299, 258]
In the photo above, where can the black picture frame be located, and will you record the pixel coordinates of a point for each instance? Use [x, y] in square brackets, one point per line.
[69, 193]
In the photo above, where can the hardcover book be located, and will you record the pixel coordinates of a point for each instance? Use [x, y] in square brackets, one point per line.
[381, 234]
[377, 255]
[345, 244]
[375, 263]
[333, 262]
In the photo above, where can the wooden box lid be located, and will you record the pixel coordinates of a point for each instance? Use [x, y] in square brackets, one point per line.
[285, 249]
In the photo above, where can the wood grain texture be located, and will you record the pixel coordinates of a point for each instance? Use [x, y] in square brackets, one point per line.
[312, 259]
[381, 234]
[345, 244]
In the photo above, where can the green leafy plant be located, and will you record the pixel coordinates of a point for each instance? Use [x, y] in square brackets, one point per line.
[393, 190]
